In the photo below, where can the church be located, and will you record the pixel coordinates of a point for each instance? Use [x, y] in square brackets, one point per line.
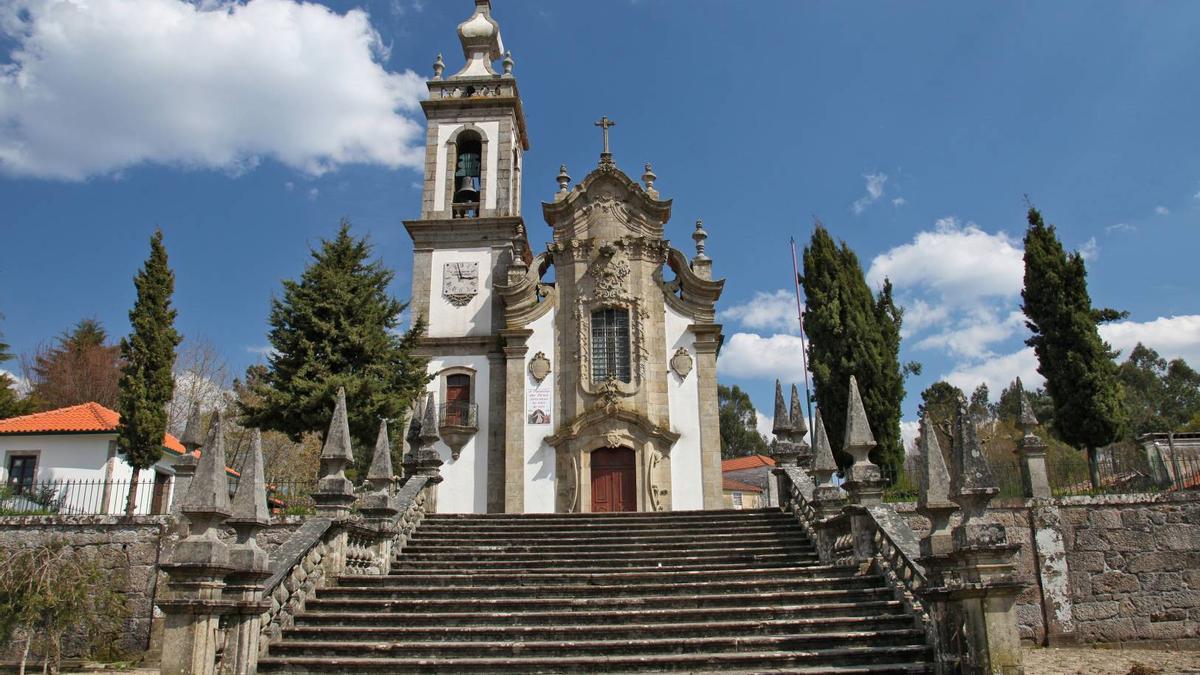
[580, 378]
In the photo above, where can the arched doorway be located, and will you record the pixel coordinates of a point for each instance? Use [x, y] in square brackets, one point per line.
[614, 481]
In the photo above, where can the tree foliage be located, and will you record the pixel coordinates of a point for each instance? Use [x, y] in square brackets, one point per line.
[738, 423]
[1081, 376]
[853, 332]
[1008, 407]
[50, 591]
[11, 402]
[337, 327]
[80, 366]
[147, 378]
[940, 401]
[1159, 395]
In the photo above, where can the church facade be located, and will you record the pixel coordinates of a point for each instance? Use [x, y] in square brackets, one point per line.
[580, 378]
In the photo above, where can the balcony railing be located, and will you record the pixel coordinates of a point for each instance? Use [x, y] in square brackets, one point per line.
[465, 210]
[459, 414]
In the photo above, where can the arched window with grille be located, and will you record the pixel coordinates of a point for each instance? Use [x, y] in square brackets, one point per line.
[610, 345]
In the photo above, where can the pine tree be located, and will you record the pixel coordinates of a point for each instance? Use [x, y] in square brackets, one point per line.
[11, 404]
[1081, 375]
[1159, 395]
[147, 379]
[337, 327]
[80, 366]
[738, 423]
[853, 332]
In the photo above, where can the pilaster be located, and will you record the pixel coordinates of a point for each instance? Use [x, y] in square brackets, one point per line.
[708, 344]
[515, 348]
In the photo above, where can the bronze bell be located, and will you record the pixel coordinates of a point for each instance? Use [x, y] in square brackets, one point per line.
[466, 189]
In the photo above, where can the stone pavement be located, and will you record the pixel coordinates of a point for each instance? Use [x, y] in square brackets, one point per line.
[1099, 661]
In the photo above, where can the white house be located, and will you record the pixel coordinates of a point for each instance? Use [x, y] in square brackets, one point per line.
[71, 455]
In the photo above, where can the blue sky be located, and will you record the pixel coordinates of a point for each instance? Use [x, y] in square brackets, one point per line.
[913, 130]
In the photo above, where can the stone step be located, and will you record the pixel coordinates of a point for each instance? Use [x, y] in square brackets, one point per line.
[588, 590]
[573, 555]
[724, 524]
[899, 659]
[501, 630]
[455, 577]
[516, 604]
[587, 545]
[433, 568]
[575, 648]
[456, 616]
[583, 519]
[423, 536]
[615, 560]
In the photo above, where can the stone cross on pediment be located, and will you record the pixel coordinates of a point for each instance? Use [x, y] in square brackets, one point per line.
[605, 124]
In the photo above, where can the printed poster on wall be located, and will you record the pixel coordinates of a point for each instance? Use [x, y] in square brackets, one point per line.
[539, 403]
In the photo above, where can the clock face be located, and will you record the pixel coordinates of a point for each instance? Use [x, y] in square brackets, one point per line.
[460, 282]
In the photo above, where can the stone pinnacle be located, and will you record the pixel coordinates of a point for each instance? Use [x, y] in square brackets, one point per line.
[799, 427]
[193, 436]
[935, 479]
[1027, 419]
[822, 450]
[250, 500]
[208, 492]
[380, 473]
[337, 441]
[783, 424]
[971, 470]
[859, 440]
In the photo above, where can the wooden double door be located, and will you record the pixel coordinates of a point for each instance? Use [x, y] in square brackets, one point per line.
[614, 482]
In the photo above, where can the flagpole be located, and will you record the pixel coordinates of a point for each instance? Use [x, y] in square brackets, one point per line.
[800, 318]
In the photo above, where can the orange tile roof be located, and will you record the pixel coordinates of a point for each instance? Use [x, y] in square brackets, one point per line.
[747, 462]
[739, 486]
[82, 418]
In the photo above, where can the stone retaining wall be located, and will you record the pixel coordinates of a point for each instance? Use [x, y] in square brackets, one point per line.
[1115, 569]
[128, 550]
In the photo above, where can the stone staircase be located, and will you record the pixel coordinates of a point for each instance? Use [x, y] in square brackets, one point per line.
[693, 591]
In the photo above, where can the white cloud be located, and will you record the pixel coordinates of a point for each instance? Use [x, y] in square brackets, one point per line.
[1090, 250]
[313, 194]
[774, 311]
[1121, 227]
[899, 201]
[289, 186]
[960, 263]
[998, 372]
[875, 182]
[1162, 210]
[1171, 336]
[909, 430]
[753, 356]
[94, 87]
[971, 336]
[1196, 196]
[919, 315]
[765, 422]
[262, 350]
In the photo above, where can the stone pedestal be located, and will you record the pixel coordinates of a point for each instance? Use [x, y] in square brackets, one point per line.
[193, 611]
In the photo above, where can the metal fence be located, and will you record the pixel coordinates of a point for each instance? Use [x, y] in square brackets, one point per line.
[82, 497]
[291, 497]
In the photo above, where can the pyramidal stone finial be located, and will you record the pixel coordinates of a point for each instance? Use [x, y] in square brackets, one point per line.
[439, 66]
[859, 439]
[429, 421]
[508, 64]
[379, 476]
[337, 441]
[700, 236]
[564, 181]
[972, 473]
[208, 492]
[823, 452]
[799, 426]
[782, 426]
[1027, 420]
[193, 435]
[648, 179]
[250, 499]
[935, 479]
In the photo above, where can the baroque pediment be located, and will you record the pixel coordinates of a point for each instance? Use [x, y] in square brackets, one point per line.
[607, 204]
[611, 425]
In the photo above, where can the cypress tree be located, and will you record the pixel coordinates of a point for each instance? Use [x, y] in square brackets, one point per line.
[147, 380]
[1081, 375]
[852, 332]
[337, 327]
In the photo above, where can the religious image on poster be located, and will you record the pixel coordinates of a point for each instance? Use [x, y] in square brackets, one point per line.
[539, 404]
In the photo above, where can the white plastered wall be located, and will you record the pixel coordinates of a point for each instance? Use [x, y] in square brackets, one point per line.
[474, 318]
[684, 406]
[539, 456]
[490, 132]
[464, 480]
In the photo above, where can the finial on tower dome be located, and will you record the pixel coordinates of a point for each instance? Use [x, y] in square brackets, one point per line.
[700, 236]
[481, 43]
[439, 66]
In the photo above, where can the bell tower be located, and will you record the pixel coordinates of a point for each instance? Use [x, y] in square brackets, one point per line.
[469, 229]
